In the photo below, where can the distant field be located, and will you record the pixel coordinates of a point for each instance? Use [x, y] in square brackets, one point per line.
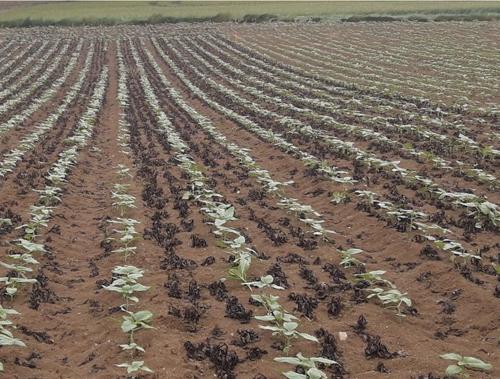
[129, 12]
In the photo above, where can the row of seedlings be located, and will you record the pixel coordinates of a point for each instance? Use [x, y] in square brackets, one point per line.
[126, 277]
[485, 214]
[37, 83]
[11, 61]
[274, 187]
[283, 324]
[332, 172]
[262, 175]
[40, 57]
[384, 81]
[46, 95]
[345, 148]
[422, 103]
[399, 54]
[7, 49]
[378, 122]
[404, 215]
[20, 260]
[297, 79]
[332, 94]
[11, 159]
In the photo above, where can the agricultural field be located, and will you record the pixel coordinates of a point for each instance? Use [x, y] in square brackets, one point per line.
[65, 13]
[300, 200]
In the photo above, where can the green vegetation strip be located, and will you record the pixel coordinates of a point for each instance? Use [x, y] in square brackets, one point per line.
[121, 12]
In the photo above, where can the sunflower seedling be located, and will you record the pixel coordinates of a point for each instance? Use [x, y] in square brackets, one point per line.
[485, 213]
[368, 198]
[6, 336]
[135, 366]
[128, 273]
[221, 213]
[18, 269]
[287, 331]
[126, 283]
[339, 198]
[285, 326]
[128, 235]
[242, 264]
[407, 217]
[391, 298]
[123, 171]
[373, 277]
[311, 371]
[30, 247]
[348, 259]
[49, 195]
[496, 267]
[12, 284]
[40, 216]
[275, 312]
[121, 188]
[7, 339]
[136, 321]
[123, 202]
[132, 346]
[265, 281]
[464, 363]
[5, 222]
